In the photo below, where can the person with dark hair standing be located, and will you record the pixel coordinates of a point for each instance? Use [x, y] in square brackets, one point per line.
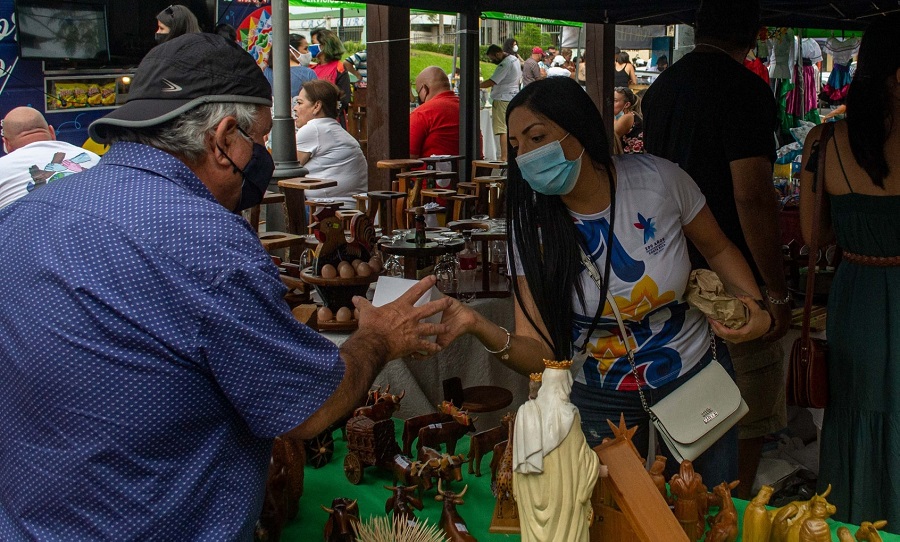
[725, 140]
[861, 431]
[625, 74]
[176, 20]
[330, 67]
[632, 216]
[504, 85]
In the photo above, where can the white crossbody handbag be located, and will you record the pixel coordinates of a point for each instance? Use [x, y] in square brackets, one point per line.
[694, 416]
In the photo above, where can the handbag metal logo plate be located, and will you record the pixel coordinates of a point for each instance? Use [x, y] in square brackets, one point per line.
[709, 415]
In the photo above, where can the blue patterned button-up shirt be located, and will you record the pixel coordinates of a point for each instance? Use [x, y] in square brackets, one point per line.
[147, 359]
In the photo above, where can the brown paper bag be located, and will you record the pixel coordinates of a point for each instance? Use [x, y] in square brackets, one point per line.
[706, 292]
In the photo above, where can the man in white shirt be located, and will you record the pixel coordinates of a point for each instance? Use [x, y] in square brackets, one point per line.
[556, 68]
[34, 157]
[504, 85]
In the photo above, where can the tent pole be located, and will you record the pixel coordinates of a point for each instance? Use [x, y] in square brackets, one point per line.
[469, 102]
[284, 144]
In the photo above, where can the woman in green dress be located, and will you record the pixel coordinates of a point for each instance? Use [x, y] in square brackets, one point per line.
[860, 445]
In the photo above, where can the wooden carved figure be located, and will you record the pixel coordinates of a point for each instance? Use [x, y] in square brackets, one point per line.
[844, 535]
[412, 426]
[437, 465]
[723, 527]
[781, 522]
[432, 436]
[686, 487]
[341, 515]
[554, 469]
[404, 469]
[334, 247]
[459, 416]
[659, 480]
[484, 441]
[454, 526]
[401, 503]
[496, 456]
[757, 523]
[383, 409]
[815, 528]
[804, 511]
[868, 531]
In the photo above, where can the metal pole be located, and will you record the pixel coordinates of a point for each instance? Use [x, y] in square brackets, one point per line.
[284, 144]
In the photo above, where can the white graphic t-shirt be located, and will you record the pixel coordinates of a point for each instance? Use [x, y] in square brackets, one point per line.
[40, 163]
[650, 269]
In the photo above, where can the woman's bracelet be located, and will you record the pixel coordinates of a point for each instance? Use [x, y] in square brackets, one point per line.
[787, 299]
[503, 353]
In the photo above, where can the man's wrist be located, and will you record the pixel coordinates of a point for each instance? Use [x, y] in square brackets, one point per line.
[776, 298]
[369, 347]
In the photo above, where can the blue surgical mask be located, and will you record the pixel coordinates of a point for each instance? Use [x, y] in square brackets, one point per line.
[314, 50]
[547, 171]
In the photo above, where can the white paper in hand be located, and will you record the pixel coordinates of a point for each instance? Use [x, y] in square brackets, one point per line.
[388, 289]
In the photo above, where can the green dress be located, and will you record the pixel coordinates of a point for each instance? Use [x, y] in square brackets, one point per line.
[860, 445]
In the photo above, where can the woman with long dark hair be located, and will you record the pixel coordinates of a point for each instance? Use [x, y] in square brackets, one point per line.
[860, 440]
[176, 20]
[632, 215]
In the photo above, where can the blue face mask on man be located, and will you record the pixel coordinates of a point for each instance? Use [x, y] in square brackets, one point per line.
[256, 174]
[547, 171]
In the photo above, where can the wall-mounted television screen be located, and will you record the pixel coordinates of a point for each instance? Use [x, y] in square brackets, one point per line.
[62, 30]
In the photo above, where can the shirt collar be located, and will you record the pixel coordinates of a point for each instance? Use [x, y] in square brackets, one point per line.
[156, 162]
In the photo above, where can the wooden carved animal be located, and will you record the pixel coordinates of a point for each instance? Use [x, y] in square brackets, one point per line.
[273, 515]
[815, 528]
[503, 483]
[401, 503]
[341, 515]
[804, 512]
[454, 526]
[437, 465]
[432, 436]
[284, 487]
[723, 527]
[459, 416]
[404, 469]
[496, 456]
[483, 443]
[757, 523]
[383, 409]
[412, 426]
[868, 531]
[781, 522]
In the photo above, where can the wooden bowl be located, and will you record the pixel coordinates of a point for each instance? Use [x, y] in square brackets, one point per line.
[338, 292]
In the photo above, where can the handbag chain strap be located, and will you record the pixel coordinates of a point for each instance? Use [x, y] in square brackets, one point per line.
[626, 336]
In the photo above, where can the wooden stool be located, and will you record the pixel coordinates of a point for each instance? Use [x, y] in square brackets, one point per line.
[400, 164]
[411, 183]
[463, 206]
[432, 161]
[441, 197]
[362, 202]
[489, 190]
[481, 168]
[295, 200]
[467, 188]
[381, 205]
[269, 198]
[346, 216]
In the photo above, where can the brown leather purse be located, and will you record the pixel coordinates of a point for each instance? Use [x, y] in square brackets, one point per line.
[807, 380]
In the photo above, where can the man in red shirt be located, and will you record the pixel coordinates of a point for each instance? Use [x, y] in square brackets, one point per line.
[434, 125]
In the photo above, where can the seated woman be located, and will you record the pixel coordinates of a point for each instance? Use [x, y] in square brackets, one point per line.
[629, 126]
[632, 215]
[326, 149]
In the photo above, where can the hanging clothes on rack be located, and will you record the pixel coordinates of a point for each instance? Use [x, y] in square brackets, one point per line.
[801, 103]
[842, 52]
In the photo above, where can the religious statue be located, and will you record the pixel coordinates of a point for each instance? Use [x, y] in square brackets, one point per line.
[686, 487]
[554, 468]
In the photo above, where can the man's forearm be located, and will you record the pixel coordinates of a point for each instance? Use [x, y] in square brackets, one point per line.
[364, 355]
[759, 222]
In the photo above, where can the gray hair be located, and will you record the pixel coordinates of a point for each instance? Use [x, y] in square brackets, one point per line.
[185, 136]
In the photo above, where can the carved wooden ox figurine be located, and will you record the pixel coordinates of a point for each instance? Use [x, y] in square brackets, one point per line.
[723, 527]
[435, 464]
[454, 526]
[459, 416]
[432, 436]
[483, 443]
[402, 502]
[342, 514]
[447, 412]
[383, 409]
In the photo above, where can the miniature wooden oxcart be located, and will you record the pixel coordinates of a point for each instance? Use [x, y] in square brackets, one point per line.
[369, 443]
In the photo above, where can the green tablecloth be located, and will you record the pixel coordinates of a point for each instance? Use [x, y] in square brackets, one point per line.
[322, 485]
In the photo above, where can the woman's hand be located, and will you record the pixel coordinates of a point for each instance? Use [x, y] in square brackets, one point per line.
[758, 324]
[459, 319]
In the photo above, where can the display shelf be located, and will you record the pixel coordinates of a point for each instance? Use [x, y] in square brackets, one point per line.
[85, 92]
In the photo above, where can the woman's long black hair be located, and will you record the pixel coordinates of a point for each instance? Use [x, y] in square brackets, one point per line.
[869, 109]
[546, 238]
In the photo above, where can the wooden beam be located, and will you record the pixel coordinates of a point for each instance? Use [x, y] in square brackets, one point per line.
[600, 44]
[387, 115]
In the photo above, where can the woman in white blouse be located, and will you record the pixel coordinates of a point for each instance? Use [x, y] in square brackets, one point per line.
[324, 147]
